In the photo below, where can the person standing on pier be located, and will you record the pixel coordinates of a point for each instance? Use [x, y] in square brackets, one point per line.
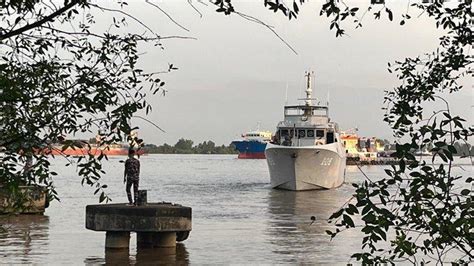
[132, 176]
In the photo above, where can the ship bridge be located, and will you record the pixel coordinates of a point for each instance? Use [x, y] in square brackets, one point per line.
[311, 114]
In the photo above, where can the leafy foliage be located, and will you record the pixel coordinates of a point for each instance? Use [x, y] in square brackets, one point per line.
[420, 207]
[59, 77]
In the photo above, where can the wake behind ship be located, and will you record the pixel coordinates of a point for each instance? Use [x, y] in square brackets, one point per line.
[308, 152]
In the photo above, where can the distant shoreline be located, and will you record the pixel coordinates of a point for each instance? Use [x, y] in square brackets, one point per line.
[186, 146]
[234, 153]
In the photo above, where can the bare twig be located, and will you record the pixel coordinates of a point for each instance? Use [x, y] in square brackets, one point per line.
[195, 9]
[360, 169]
[141, 117]
[255, 20]
[126, 14]
[166, 14]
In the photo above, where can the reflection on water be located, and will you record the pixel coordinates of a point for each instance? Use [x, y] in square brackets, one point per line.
[237, 217]
[163, 255]
[24, 237]
[294, 235]
[143, 256]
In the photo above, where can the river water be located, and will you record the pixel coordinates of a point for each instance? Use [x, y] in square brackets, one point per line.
[237, 217]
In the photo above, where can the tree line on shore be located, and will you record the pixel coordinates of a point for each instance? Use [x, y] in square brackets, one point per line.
[186, 146]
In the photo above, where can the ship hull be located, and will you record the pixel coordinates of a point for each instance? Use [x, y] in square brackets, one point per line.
[250, 149]
[93, 150]
[307, 167]
[251, 155]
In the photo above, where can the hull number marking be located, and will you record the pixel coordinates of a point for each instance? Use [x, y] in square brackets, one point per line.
[326, 161]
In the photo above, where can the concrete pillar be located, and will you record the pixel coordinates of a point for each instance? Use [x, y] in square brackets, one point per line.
[157, 240]
[145, 239]
[117, 256]
[142, 198]
[181, 236]
[116, 239]
[164, 240]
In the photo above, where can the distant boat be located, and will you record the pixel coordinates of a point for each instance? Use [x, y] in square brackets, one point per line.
[308, 152]
[252, 145]
[84, 150]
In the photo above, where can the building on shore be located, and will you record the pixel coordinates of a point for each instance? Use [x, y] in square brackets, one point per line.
[362, 148]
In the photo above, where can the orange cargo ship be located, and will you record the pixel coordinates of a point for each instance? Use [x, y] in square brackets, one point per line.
[113, 149]
[85, 148]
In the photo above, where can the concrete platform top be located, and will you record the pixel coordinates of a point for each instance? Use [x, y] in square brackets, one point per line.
[150, 209]
[152, 217]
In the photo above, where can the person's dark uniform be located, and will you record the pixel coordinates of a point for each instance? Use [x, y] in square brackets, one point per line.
[286, 141]
[132, 176]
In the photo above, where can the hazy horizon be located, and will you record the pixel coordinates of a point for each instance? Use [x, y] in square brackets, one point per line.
[234, 76]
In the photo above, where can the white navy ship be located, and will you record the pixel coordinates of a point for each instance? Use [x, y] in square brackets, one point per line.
[307, 152]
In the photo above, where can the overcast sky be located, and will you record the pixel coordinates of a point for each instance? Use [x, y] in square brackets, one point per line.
[234, 76]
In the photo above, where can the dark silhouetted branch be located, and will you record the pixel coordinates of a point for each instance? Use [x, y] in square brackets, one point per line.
[39, 22]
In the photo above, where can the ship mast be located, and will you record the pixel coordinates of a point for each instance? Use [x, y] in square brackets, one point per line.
[308, 91]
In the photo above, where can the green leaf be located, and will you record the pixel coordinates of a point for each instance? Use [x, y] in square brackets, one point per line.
[348, 220]
[102, 197]
[351, 209]
[390, 14]
[415, 174]
[336, 214]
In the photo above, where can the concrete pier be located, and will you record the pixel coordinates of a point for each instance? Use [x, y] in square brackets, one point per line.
[28, 200]
[158, 225]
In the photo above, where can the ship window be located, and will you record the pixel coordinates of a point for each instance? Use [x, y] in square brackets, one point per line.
[284, 132]
[301, 133]
[292, 134]
[319, 133]
[310, 133]
[330, 137]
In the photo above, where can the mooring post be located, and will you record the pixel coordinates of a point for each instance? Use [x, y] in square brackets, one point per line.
[142, 198]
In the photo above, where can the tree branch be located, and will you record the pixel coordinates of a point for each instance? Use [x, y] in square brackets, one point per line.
[166, 14]
[39, 22]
